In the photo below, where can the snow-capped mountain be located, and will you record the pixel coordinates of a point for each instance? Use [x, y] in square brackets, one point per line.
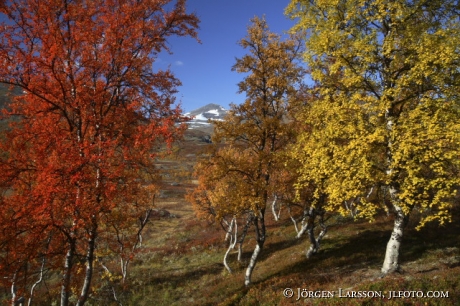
[201, 115]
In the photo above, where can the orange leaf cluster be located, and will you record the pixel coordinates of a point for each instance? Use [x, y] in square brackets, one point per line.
[79, 151]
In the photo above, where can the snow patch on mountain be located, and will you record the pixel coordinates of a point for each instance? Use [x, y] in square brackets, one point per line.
[201, 115]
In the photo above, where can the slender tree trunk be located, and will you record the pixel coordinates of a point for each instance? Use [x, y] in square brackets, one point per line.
[304, 223]
[65, 287]
[315, 242]
[114, 293]
[243, 236]
[89, 264]
[228, 235]
[42, 269]
[232, 243]
[240, 251]
[124, 263]
[94, 222]
[40, 279]
[225, 259]
[391, 262]
[276, 215]
[68, 263]
[13, 288]
[252, 263]
[259, 223]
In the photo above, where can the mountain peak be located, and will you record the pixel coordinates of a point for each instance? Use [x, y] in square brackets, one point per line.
[210, 111]
[212, 107]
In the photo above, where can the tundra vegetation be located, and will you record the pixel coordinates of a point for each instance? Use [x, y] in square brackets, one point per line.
[89, 156]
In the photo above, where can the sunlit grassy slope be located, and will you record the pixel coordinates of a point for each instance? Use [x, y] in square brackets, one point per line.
[181, 261]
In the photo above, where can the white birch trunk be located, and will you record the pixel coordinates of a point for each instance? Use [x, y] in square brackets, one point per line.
[40, 279]
[252, 264]
[228, 231]
[304, 223]
[13, 289]
[240, 251]
[351, 207]
[294, 221]
[391, 262]
[259, 223]
[124, 269]
[225, 260]
[302, 230]
[114, 293]
[93, 230]
[68, 263]
[125, 262]
[276, 215]
[65, 287]
[316, 242]
[89, 265]
[233, 240]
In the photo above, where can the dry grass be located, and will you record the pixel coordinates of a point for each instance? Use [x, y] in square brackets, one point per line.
[182, 263]
[185, 266]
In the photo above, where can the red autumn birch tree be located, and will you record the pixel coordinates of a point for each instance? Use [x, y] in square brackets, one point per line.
[80, 153]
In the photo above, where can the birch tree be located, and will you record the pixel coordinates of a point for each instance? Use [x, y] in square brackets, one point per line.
[81, 152]
[386, 115]
[241, 183]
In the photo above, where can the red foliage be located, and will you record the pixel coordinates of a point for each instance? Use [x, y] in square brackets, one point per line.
[80, 150]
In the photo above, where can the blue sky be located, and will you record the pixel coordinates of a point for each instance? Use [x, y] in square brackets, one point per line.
[205, 69]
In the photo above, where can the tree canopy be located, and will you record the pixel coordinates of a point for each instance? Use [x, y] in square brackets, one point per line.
[386, 115]
[77, 169]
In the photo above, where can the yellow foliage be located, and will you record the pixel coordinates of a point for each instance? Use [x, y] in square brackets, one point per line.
[387, 109]
[243, 168]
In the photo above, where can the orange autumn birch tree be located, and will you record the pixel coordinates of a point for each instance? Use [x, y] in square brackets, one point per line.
[79, 155]
[238, 180]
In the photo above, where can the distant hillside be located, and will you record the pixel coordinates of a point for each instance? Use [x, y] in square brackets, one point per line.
[5, 95]
[5, 98]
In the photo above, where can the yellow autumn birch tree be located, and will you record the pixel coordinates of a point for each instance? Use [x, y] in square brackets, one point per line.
[237, 178]
[386, 115]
